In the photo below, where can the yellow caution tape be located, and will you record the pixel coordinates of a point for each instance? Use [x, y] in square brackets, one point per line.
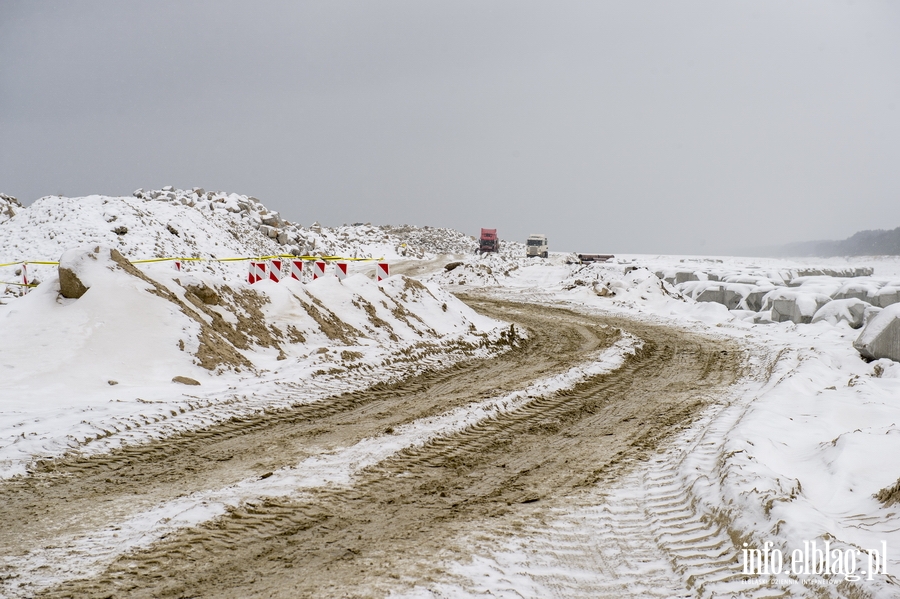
[193, 259]
[19, 284]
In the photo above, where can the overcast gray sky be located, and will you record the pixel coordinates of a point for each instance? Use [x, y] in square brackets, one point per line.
[672, 127]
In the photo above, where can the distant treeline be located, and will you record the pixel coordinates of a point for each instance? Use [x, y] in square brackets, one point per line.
[864, 243]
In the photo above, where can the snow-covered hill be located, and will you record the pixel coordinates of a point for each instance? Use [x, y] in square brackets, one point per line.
[198, 224]
[136, 329]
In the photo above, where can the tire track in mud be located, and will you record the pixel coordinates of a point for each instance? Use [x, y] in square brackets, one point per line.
[646, 534]
[393, 527]
[88, 493]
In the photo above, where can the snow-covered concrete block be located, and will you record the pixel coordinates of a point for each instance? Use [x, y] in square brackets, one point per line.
[851, 310]
[712, 293]
[753, 300]
[764, 317]
[871, 312]
[734, 295]
[849, 271]
[859, 290]
[683, 276]
[880, 338]
[886, 296]
[795, 306]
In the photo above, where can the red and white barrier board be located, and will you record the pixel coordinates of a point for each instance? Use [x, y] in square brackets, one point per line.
[318, 269]
[382, 271]
[275, 270]
[341, 271]
[296, 269]
[257, 272]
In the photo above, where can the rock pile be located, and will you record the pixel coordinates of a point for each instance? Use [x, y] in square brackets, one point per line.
[357, 241]
[8, 207]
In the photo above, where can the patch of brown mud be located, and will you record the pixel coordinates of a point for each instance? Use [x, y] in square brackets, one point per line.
[889, 495]
[376, 321]
[333, 327]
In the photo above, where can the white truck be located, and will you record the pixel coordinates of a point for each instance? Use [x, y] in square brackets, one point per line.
[536, 246]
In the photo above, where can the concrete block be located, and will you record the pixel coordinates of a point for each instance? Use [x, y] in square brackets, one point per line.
[796, 307]
[683, 276]
[712, 293]
[753, 300]
[871, 312]
[734, 295]
[764, 317]
[886, 296]
[880, 338]
[851, 310]
[863, 291]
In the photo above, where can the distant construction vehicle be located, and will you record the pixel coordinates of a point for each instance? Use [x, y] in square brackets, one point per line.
[588, 258]
[536, 245]
[489, 241]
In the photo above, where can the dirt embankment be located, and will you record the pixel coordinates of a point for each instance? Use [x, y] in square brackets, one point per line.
[358, 540]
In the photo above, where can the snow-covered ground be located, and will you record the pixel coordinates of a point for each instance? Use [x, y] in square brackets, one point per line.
[806, 450]
[91, 373]
[798, 458]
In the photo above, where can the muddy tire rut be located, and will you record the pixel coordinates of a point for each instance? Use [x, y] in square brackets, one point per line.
[397, 517]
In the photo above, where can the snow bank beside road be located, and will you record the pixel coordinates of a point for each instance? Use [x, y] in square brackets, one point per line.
[101, 367]
[809, 452]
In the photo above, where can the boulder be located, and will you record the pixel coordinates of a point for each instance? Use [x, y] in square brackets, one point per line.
[70, 285]
[880, 338]
[9, 206]
[851, 310]
[79, 268]
[272, 219]
[268, 231]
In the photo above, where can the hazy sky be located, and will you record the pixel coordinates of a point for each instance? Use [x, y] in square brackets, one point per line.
[676, 127]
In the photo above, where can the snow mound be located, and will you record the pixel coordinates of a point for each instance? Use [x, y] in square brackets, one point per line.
[224, 327]
[147, 332]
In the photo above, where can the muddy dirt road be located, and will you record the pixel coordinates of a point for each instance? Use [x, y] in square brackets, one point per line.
[362, 539]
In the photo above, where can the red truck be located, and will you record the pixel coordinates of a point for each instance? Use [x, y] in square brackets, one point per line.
[489, 241]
